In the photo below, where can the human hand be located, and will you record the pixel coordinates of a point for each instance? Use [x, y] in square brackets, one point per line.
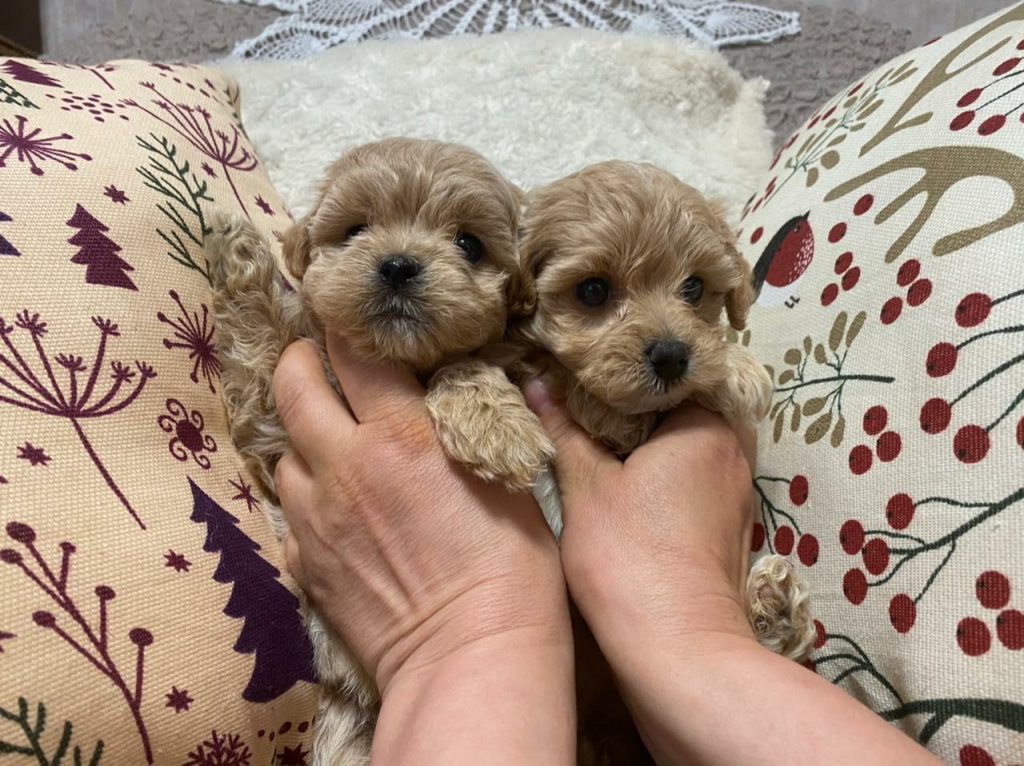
[655, 548]
[655, 554]
[409, 558]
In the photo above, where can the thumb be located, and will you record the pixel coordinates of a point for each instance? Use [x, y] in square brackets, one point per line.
[293, 561]
[578, 457]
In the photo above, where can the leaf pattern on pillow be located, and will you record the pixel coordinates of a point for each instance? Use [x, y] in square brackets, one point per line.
[890, 314]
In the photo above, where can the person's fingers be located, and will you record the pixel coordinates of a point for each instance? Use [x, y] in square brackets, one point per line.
[690, 427]
[373, 391]
[296, 487]
[314, 417]
[748, 440]
[293, 561]
[578, 457]
[692, 432]
[685, 420]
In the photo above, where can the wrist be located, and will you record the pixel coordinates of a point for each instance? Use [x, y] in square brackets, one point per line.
[491, 619]
[671, 693]
[502, 698]
[639, 655]
[679, 705]
[683, 614]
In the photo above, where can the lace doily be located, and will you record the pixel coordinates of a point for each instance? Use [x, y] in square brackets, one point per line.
[310, 26]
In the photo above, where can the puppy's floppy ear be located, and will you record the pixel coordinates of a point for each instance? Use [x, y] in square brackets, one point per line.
[295, 246]
[739, 299]
[521, 295]
[520, 291]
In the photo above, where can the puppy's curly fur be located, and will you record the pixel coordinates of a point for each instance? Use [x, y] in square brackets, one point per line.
[410, 254]
[626, 273]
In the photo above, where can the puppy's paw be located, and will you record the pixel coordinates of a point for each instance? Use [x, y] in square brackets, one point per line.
[516, 452]
[217, 244]
[779, 609]
[237, 255]
[745, 393]
[483, 423]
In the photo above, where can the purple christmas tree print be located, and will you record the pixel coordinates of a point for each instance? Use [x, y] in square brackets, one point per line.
[196, 126]
[30, 148]
[6, 248]
[20, 70]
[98, 253]
[37, 390]
[273, 628]
[93, 640]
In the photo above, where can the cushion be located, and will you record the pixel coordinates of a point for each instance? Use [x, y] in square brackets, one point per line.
[145, 617]
[886, 246]
[538, 103]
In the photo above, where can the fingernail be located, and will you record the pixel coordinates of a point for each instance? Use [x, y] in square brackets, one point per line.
[537, 396]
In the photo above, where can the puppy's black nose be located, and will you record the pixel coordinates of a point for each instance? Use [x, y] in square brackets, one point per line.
[398, 270]
[669, 359]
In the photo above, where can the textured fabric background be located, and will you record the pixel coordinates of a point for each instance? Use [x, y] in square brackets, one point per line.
[142, 612]
[540, 104]
[886, 243]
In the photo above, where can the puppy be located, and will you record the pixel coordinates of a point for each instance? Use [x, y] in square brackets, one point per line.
[410, 254]
[627, 271]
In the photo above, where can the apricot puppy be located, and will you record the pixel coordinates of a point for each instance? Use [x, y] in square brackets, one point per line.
[629, 270]
[410, 254]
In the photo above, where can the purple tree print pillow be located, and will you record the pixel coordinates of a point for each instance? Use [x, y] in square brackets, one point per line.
[145, 616]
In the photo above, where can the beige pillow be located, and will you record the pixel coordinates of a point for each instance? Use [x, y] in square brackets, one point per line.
[887, 247]
[144, 617]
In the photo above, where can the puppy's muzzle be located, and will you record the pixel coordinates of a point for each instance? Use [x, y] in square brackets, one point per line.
[399, 271]
[668, 360]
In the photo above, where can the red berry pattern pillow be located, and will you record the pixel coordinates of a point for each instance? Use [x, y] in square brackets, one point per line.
[887, 245]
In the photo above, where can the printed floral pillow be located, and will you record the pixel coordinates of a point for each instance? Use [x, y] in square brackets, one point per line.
[888, 253]
[144, 617]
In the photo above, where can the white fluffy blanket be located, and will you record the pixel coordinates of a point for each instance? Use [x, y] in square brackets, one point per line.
[539, 104]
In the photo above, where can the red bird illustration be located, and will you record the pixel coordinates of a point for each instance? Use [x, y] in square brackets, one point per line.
[783, 263]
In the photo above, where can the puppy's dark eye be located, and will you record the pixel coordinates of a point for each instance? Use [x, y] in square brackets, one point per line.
[471, 247]
[355, 231]
[692, 289]
[593, 291]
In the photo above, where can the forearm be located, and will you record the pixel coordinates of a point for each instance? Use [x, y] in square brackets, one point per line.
[732, 701]
[505, 699]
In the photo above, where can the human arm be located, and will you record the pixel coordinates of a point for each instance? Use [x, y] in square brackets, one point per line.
[448, 591]
[655, 556]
